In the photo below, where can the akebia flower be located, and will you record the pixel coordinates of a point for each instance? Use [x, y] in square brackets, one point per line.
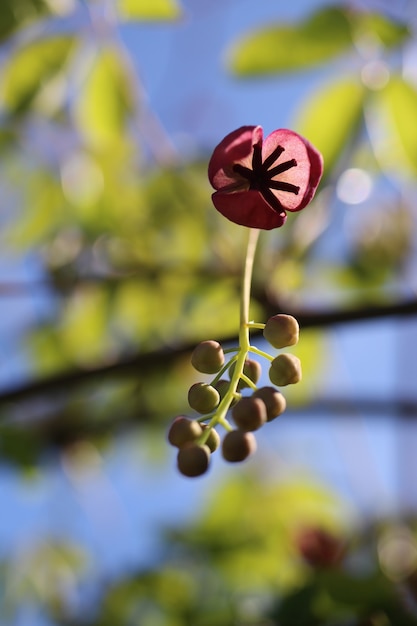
[258, 180]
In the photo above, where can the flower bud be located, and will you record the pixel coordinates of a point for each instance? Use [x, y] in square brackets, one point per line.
[238, 445]
[183, 430]
[281, 331]
[222, 387]
[249, 414]
[285, 370]
[193, 460]
[203, 398]
[252, 369]
[274, 401]
[208, 357]
[213, 440]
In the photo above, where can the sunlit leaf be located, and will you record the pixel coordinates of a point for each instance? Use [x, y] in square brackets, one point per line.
[249, 533]
[149, 9]
[321, 37]
[105, 101]
[331, 117]
[30, 69]
[83, 328]
[42, 215]
[285, 48]
[385, 31]
[397, 103]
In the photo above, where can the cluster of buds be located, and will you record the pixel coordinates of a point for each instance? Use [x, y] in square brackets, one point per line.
[233, 391]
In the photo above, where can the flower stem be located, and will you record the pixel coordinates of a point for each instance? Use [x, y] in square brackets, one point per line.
[244, 344]
[253, 325]
[256, 350]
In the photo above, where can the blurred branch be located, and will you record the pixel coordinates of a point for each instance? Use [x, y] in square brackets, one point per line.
[168, 355]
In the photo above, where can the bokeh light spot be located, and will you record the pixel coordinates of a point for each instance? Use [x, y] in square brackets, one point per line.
[354, 186]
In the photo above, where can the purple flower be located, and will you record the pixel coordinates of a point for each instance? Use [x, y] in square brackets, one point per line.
[257, 180]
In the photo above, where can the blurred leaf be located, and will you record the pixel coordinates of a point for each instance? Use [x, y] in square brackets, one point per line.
[397, 104]
[105, 101]
[42, 213]
[247, 529]
[149, 9]
[19, 446]
[17, 13]
[322, 37]
[386, 31]
[312, 350]
[31, 68]
[83, 326]
[331, 118]
[369, 590]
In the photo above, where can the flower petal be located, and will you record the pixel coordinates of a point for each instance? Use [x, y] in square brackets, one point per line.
[248, 208]
[316, 172]
[306, 175]
[235, 147]
[294, 148]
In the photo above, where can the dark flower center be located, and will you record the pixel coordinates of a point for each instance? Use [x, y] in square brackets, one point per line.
[261, 175]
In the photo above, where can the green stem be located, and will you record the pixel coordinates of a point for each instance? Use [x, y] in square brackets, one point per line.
[256, 350]
[253, 325]
[224, 369]
[244, 344]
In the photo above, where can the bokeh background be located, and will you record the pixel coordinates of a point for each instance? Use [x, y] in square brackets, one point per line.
[114, 264]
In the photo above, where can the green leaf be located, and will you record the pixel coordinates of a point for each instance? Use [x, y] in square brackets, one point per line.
[105, 101]
[385, 31]
[331, 117]
[17, 13]
[397, 105]
[43, 210]
[31, 68]
[149, 9]
[322, 37]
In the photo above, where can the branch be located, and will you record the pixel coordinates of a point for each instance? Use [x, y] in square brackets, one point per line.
[167, 356]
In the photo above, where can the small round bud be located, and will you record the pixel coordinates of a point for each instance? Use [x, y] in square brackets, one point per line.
[281, 331]
[203, 398]
[193, 460]
[222, 387]
[275, 402]
[213, 440]
[249, 413]
[208, 357]
[238, 445]
[251, 368]
[183, 430]
[285, 370]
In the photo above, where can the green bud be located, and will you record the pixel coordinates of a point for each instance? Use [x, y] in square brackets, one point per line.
[213, 439]
[222, 387]
[203, 398]
[274, 401]
[285, 370]
[281, 331]
[249, 414]
[208, 357]
[238, 445]
[193, 460]
[183, 430]
[252, 369]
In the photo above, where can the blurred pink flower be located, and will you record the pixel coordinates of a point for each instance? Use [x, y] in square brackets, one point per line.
[257, 181]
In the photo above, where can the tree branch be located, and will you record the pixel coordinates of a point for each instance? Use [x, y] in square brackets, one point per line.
[166, 356]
